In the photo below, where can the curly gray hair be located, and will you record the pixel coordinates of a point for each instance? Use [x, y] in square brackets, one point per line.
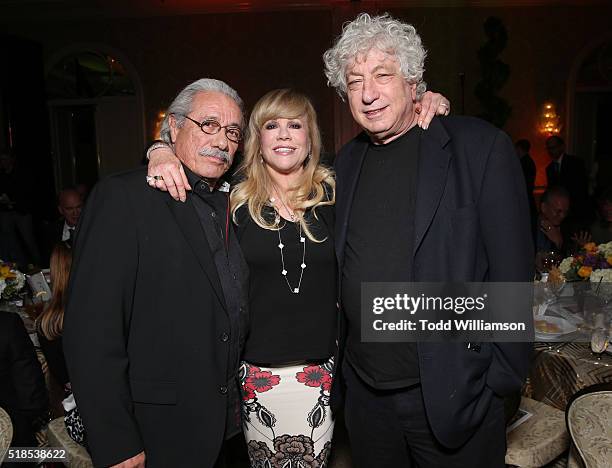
[182, 103]
[384, 33]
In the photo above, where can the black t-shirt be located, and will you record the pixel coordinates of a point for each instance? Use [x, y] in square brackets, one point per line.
[286, 326]
[379, 247]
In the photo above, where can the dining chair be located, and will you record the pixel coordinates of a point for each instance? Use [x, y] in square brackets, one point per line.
[589, 422]
[539, 440]
[6, 433]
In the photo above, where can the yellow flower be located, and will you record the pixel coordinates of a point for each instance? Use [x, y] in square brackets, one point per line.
[609, 260]
[6, 273]
[585, 271]
[590, 247]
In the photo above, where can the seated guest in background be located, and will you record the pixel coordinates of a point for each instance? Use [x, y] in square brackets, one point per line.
[568, 171]
[554, 233]
[23, 394]
[601, 229]
[529, 172]
[157, 312]
[50, 325]
[69, 205]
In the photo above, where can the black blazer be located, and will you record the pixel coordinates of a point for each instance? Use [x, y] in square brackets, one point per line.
[471, 224]
[23, 394]
[144, 334]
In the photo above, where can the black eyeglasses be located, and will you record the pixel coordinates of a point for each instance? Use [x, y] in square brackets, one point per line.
[211, 127]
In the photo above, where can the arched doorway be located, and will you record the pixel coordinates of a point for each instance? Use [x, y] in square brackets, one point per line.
[589, 116]
[96, 114]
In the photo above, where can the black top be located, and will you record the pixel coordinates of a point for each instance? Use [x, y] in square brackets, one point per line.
[54, 354]
[379, 247]
[288, 326]
[23, 394]
[212, 207]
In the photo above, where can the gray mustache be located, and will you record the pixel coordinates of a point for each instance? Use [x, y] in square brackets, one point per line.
[215, 153]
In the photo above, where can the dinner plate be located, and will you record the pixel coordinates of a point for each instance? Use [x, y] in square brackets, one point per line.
[552, 327]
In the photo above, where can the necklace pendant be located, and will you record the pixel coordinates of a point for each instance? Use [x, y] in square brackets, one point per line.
[296, 290]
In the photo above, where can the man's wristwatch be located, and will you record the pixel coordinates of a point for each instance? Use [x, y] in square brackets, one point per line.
[156, 145]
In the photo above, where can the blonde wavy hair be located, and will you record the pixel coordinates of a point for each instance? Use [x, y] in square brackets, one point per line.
[316, 187]
[51, 321]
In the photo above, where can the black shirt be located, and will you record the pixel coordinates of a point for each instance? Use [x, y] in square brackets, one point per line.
[212, 207]
[285, 326]
[379, 248]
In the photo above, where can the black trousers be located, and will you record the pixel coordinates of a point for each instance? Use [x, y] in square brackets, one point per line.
[389, 429]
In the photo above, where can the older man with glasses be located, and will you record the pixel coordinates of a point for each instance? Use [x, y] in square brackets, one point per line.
[157, 313]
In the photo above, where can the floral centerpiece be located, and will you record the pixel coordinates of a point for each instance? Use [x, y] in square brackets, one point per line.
[593, 263]
[11, 280]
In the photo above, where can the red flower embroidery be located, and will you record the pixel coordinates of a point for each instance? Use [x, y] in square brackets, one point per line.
[315, 376]
[248, 392]
[262, 381]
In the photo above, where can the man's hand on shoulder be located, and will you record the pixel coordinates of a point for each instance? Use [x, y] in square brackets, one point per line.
[137, 461]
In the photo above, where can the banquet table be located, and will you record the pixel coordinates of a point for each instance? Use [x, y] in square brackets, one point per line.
[559, 370]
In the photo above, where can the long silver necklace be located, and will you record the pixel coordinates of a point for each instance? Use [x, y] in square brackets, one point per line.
[281, 246]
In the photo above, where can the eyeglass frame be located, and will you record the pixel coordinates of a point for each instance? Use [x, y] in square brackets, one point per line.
[218, 127]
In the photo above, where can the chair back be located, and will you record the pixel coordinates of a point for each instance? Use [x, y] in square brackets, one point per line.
[589, 421]
[6, 433]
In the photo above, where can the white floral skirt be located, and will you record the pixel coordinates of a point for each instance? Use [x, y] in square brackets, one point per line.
[286, 416]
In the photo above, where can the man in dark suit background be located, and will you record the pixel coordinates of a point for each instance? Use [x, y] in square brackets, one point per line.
[567, 171]
[529, 173]
[69, 206]
[156, 313]
[448, 204]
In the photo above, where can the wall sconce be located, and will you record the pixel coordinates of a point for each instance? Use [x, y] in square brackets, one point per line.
[550, 121]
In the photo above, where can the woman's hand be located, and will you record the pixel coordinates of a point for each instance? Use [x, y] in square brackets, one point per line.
[431, 104]
[165, 172]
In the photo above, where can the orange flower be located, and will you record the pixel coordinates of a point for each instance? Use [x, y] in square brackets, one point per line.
[585, 271]
[590, 247]
[609, 260]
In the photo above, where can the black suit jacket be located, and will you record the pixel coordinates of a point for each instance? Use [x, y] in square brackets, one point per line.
[573, 177]
[145, 326]
[471, 224]
[23, 394]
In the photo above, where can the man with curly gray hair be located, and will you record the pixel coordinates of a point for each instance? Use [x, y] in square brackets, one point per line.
[446, 204]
